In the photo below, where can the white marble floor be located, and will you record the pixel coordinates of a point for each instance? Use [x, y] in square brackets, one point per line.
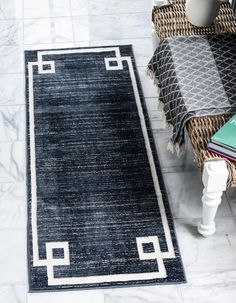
[36, 24]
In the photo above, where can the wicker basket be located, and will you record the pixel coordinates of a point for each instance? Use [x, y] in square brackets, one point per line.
[172, 21]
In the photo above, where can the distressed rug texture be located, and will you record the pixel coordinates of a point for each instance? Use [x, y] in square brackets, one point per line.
[98, 214]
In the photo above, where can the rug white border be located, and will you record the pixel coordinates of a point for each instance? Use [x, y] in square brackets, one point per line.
[50, 262]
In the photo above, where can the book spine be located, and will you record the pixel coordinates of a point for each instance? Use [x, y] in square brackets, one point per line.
[223, 145]
[221, 154]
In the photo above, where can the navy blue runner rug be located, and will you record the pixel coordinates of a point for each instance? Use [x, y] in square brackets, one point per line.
[98, 214]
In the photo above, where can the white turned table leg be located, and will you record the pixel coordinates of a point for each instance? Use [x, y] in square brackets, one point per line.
[214, 178]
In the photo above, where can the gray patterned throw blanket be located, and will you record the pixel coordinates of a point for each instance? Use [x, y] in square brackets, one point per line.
[197, 77]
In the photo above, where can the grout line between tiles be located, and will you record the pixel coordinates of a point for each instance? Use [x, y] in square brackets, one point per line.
[23, 40]
[72, 22]
[119, 39]
[181, 293]
[92, 41]
[199, 218]
[12, 141]
[14, 44]
[12, 182]
[14, 284]
[24, 172]
[78, 16]
[11, 229]
[229, 204]
[12, 105]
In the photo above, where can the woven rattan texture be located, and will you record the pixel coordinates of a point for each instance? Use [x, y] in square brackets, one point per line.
[172, 21]
[200, 130]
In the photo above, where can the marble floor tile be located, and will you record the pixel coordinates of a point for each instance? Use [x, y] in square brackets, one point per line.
[81, 28]
[157, 121]
[155, 115]
[171, 162]
[124, 26]
[55, 45]
[207, 255]
[46, 8]
[13, 256]
[12, 123]
[80, 296]
[185, 193]
[231, 195]
[142, 48]
[153, 109]
[82, 44]
[12, 205]
[80, 7]
[11, 32]
[11, 89]
[112, 27]
[211, 288]
[147, 294]
[12, 161]
[11, 9]
[11, 60]
[210, 263]
[149, 90]
[13, 293]
[157, 124]
[37, 31]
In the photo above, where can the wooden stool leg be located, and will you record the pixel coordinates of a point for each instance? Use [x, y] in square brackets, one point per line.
[215, 176]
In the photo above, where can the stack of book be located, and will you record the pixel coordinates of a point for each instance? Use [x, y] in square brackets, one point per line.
[223, 142]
